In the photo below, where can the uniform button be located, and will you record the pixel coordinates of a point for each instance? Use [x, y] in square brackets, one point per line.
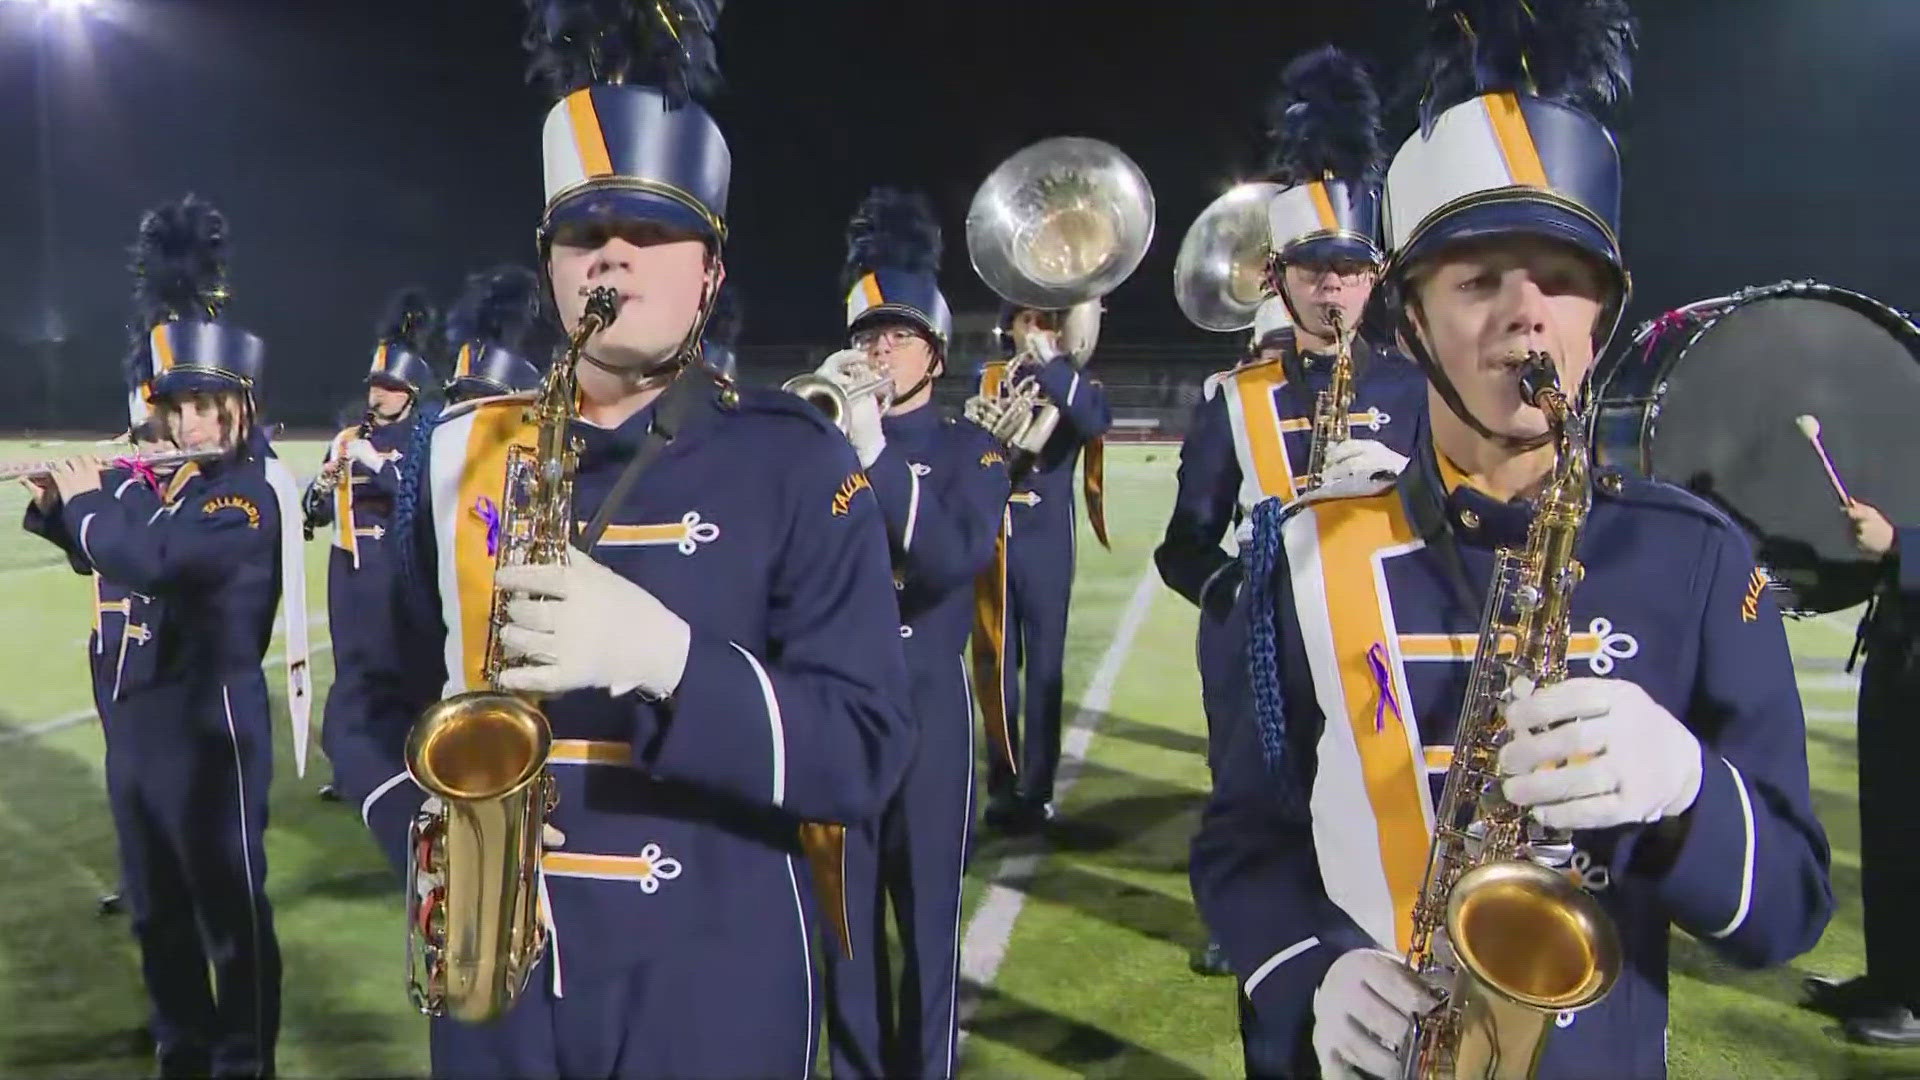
[906, 631]
[1469, 519]
[1611, 482]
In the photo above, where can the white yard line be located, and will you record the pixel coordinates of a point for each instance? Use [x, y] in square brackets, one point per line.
[984, 946]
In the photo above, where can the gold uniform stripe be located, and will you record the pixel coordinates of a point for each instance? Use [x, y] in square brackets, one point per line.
[1516, 141]
[162, 343]
[1323, 206]
[1350, 531]
[488, 441]
[590, 752]
[1259, 389]
[587, 136]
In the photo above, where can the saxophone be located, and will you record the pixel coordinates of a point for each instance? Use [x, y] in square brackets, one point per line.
[1332, 405]
[1509, 942]
[474, 927]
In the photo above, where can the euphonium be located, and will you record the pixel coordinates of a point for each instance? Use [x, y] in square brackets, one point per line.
[1509, 942]
[475, 934]
[1332, 406]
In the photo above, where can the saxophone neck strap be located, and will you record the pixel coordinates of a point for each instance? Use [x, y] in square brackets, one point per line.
[668, 413]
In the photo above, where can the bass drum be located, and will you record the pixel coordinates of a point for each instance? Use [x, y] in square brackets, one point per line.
[1706, 398]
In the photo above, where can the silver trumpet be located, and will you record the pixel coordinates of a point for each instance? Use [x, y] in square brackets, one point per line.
[836, 402]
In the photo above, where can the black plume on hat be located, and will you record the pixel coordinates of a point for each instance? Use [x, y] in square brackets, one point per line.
[1324, 121]
[661, 43]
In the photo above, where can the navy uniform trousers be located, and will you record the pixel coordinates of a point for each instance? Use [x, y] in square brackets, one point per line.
[1889, 690]
[1041, 542]
[941, 485]
[360, 578]
[190, 756]
[681, 937]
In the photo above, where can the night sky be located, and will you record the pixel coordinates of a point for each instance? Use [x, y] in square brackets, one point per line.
[360, 145]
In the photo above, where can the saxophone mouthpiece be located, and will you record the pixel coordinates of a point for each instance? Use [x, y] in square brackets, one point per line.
[1538, 379]
[603, 303]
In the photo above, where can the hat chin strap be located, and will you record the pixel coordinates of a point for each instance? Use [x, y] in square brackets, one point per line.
[683, 354]
[1438, 377]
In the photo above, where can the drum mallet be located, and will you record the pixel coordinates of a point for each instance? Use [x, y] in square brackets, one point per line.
[1810, 427]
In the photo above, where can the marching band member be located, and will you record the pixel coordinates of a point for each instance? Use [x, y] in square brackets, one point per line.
[942, 486]
[115, 624]
[719, 659]
[1021, 619]
[354, 493]
[496, 332]
[1673, 755]
[1251, 432]
[1879, 1006]
[188, 770]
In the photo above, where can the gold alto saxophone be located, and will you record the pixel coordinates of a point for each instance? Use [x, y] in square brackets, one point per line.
[1332, 405]
[1509, 942]
[475, 934]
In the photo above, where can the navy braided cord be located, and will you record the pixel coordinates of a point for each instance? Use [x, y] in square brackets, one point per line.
[1263, 652]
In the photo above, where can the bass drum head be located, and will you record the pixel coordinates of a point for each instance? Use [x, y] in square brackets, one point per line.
[1725, 429]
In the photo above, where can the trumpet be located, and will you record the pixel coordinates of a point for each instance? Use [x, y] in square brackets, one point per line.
[40, 470]
[836, 402]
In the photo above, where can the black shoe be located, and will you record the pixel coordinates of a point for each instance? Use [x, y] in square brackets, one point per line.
[110, 904]
[328, 794]
[1003, 809]
[1211, 960]
[1893, 1027]
[1030, 816]
[1842, 999]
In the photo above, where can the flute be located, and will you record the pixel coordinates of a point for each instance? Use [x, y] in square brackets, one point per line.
[43, 469]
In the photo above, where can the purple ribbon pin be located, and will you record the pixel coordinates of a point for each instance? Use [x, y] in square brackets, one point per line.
[1383, 681]
[490, 514]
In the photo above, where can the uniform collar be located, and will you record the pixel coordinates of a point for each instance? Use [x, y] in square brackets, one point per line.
[919, 423]
[699, 403]
[1313, 367]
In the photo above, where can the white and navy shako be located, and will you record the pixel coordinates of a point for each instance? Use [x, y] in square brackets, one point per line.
[892, 270]
[180, 291]
[1324, 149]
[403, 341]
[1324, 130]
[496, 330]
[627, 138]
[1509, 142]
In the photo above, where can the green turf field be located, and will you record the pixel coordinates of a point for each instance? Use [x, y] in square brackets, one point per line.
[1090, 978]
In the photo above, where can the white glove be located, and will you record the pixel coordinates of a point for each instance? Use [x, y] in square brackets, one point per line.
[1363, 1012]
[847, 368]
[361, 452]
[1044, 345]
[1360, 458]
[1616, 757]
[583, 625]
